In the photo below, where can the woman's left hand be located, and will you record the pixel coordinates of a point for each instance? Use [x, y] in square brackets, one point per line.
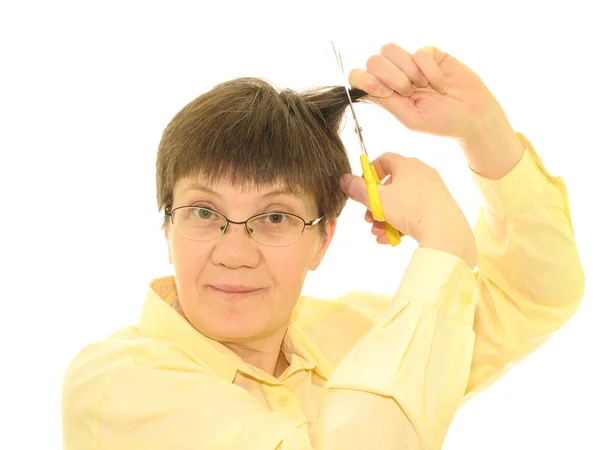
[432, 92]
[429, 92]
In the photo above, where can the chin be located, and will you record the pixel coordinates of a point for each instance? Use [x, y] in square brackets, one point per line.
[225, 319]
[231, 327]
[229, 333]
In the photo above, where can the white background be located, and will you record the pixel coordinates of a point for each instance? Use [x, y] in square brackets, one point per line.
[88, 87]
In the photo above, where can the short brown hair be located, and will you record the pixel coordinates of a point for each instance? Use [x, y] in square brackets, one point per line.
[248, 132]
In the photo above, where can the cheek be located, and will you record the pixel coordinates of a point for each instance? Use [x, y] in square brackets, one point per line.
[288, 270]
[189, 258]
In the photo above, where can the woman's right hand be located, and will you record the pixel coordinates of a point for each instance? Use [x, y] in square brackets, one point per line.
[417, 203]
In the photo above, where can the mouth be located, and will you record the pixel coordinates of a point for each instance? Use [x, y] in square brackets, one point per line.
[234, 292]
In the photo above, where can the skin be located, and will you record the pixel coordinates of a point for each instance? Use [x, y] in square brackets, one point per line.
[254, 327]
[432, 92]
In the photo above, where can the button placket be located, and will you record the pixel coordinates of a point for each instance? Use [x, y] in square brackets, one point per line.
[285, 401]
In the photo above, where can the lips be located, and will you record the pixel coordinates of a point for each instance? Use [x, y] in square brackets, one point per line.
[235, 288]
[235, 292]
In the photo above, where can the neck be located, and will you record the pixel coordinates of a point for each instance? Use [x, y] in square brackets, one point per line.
[264, 354]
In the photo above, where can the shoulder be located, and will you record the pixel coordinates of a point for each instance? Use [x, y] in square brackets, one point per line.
[335, 325]
[126, 345]
[94, 369]
[123, 391]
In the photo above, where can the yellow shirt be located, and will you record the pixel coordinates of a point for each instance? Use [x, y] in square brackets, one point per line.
[366, 371]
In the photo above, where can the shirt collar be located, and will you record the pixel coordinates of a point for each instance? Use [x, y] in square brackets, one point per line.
[160, 320]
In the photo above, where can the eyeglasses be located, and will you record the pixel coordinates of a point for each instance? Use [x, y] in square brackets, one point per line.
[274, 229]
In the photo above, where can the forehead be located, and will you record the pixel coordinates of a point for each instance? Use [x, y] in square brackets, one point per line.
[226, 190]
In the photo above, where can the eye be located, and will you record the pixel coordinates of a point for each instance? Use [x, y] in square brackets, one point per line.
[276, 218]
[203, 213]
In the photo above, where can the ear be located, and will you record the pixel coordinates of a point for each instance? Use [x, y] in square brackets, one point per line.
[167, 237]
[330, 226]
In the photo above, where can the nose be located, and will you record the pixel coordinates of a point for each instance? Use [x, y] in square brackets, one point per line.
[235, 248]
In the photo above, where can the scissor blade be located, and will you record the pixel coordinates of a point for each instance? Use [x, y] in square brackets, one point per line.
[358, 129]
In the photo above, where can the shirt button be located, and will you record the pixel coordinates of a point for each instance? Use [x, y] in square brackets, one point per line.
[466, 299]
[283, 401]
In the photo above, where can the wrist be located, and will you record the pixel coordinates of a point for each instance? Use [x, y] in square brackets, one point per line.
[454, 237]
[492, 147]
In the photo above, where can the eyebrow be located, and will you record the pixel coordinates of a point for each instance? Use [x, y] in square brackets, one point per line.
[202, 188]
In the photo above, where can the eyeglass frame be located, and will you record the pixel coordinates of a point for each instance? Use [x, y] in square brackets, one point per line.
[169, 213]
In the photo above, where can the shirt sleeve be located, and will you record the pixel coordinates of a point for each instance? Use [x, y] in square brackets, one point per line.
[402, 383]
[530, 280]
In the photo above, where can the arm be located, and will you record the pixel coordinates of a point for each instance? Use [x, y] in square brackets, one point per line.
[409, 372]
[530, 279]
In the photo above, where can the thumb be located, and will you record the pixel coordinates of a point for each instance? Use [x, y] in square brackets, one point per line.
[355, 188]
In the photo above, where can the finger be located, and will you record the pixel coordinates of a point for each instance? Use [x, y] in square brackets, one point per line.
[369, 216]
[383, 239]
[361, 79]
[429, 59]
[378, 228]
[388, 163]
[402, 59]
[355, 188]
[402, 108]
[383, 176]
[390, 74]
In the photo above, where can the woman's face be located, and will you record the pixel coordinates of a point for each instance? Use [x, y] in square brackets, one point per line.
[206, 272]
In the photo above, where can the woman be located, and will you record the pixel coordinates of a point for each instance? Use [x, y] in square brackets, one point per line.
[227, 355]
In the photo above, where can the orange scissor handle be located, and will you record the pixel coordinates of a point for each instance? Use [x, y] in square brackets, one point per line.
[372, 180]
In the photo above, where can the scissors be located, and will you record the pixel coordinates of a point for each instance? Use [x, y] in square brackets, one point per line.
[370, 174]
